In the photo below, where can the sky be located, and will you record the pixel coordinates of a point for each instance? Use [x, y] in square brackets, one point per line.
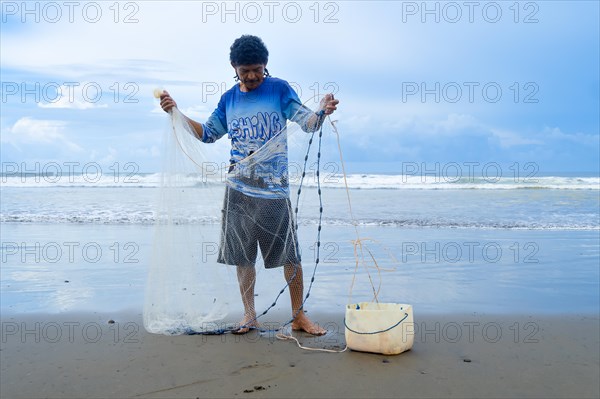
[511, 83]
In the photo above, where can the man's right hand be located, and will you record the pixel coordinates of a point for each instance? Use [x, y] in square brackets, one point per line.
[166, 102]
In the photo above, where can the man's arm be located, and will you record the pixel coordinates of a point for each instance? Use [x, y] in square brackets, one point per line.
[315, 121]
[198, 131]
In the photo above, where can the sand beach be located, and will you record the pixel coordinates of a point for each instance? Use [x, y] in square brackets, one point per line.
[98, 355]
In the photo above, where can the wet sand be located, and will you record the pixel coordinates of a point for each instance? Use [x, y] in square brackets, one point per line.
[94, 355]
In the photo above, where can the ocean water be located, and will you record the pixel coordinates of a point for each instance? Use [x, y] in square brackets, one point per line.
[442, 245]
[569, 203]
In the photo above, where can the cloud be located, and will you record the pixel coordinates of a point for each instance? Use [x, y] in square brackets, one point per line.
[110, 157]
[451, 124]
[578, 138]
[152, 152]
[425, 123]
[456, 122]
[198, 112]
[508, 139]
[375, 115]
[28, 131]
[78, 96]
[422, 125]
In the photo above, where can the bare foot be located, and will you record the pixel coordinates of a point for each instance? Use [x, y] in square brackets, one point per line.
[302, 323]
[248, 323]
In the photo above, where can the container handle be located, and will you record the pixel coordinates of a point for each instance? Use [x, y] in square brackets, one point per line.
[376, 332]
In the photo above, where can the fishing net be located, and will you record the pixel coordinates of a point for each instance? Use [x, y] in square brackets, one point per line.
[219, 224]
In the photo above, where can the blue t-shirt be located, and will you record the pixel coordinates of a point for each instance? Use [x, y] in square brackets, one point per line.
[251, 119]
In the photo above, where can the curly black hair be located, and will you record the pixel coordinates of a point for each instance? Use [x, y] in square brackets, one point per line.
[248, 50]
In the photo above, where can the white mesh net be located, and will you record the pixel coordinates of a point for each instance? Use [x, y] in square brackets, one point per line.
[243, 213]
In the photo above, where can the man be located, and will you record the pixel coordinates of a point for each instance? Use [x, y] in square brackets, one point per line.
[258, 214]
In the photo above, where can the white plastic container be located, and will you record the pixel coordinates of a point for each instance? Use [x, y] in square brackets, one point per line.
[386, 328]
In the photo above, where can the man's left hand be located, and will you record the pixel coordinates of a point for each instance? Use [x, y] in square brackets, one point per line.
[329, 104]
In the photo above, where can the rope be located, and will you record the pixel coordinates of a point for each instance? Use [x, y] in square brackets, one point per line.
[376, 332]
[289, 337]
[358, 243]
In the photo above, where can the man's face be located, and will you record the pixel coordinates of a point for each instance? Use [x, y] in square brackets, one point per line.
[251, 76]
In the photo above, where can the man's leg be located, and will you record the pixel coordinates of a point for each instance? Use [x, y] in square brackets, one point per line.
[246, 280]
[293, 275]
